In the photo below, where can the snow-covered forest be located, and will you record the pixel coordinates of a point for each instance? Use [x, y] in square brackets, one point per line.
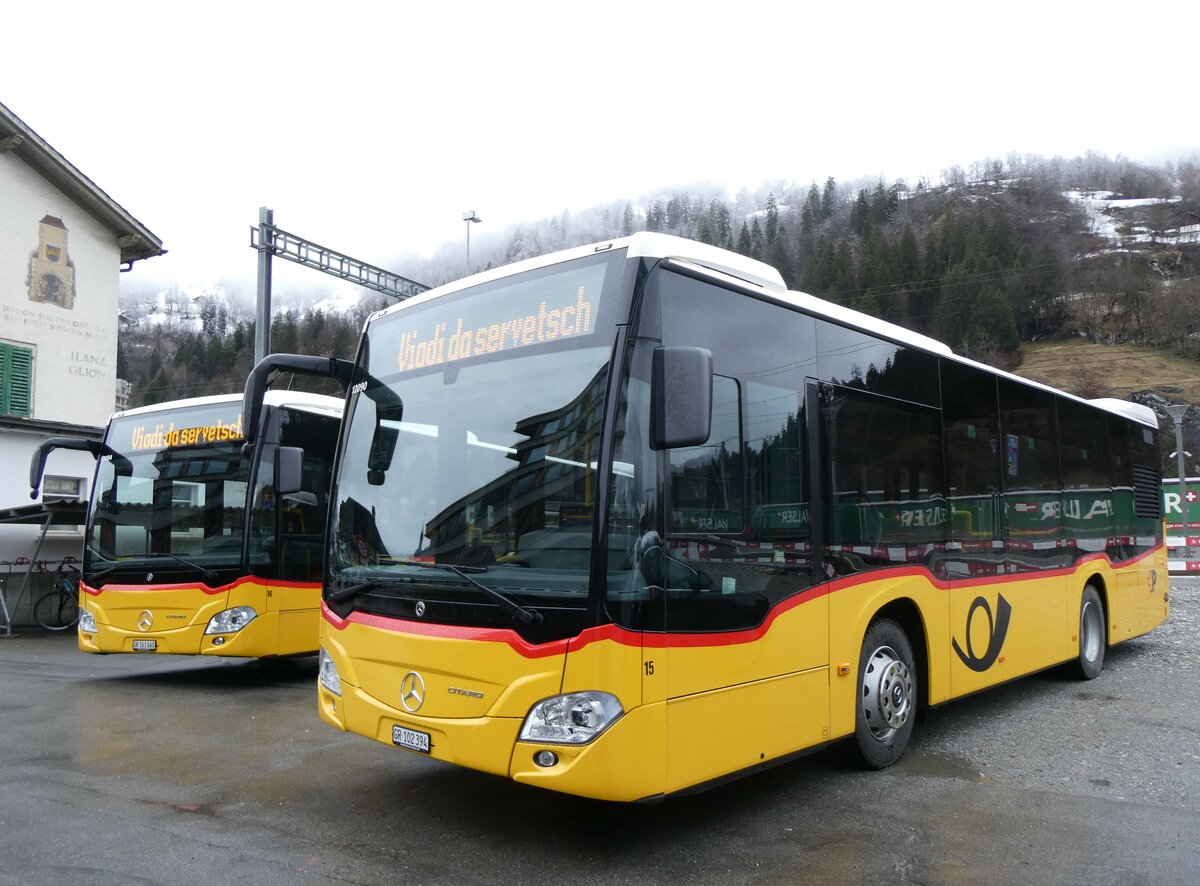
[988, 257]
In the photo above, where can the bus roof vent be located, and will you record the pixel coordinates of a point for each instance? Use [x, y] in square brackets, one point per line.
[722, 261]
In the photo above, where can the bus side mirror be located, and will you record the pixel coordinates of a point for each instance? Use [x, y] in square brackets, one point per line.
[289, 467]
[383, 441]
[37, 464]
[680, 397]
[257, 383]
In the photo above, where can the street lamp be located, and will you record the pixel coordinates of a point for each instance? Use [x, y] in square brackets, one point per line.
[1177, 411]
[470, 217]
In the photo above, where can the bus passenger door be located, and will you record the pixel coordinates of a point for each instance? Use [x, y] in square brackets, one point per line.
[746, 621]
[286, 541]
[746, 628]
[300, 522]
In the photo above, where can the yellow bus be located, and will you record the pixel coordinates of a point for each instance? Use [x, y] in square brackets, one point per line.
[197, 544]
[632, 519]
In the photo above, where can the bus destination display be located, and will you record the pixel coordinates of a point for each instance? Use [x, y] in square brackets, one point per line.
[558, 307]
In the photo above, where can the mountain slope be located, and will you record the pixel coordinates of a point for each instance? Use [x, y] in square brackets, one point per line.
[1094, 370]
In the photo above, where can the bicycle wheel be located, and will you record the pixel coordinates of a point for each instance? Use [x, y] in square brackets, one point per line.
[56, 611]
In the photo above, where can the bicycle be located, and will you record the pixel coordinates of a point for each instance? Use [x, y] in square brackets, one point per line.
[58, 608]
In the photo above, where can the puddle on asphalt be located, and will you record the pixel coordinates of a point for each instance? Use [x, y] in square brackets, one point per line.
[191, 808]
[941, 766]
[1095, 696]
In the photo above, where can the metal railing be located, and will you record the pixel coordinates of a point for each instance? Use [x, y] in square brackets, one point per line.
[10, 608]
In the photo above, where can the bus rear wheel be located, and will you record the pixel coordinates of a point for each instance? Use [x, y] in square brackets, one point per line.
[1092, 642]
[887, 695]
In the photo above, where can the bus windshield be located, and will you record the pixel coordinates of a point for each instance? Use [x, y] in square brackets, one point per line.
[173, 487]
[475, 441]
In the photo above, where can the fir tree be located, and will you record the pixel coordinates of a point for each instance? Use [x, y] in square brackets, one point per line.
[772, 219]
[810, 212]
[743, 243]
[828, 198]
[860, 214]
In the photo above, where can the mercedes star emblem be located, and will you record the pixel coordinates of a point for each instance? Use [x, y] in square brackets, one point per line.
[420, 608]
[412, 692]
[145, 620]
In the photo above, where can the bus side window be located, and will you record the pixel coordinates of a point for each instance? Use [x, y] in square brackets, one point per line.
[264, 515]
[885, 502]
[1032, 477]
[974, 459]
[301, 517]
[706, 482]
[738, 520]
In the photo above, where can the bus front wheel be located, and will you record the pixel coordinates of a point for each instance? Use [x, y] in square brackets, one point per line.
[1091, 635]
[887, 695]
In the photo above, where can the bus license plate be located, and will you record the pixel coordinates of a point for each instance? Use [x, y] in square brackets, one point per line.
[411, 739]
[145, 645]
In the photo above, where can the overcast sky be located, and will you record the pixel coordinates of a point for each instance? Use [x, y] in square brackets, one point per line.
[370, 128]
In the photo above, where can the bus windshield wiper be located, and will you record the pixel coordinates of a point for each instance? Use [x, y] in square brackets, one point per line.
[131, 563]
[521, 613]
[525, 616]
[97, 576]
[204, 571]
[341, 595]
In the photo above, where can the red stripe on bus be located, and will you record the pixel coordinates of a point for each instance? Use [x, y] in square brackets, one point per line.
[447, 632]
[664, 640]
[1031, 574]
[185, 586]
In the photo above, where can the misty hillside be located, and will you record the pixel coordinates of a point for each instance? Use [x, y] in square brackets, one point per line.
[1008, 252]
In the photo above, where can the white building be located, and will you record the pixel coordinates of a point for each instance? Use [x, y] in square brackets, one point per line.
[63, 243]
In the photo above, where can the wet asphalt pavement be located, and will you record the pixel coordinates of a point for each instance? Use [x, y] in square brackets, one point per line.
[124, 769]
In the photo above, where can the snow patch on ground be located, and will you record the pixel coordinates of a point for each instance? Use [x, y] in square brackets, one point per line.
[1107, 221]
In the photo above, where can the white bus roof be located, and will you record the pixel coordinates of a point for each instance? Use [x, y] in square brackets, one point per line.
[722, 263]
[643, 244]
[708, 259]
[319, 403]
[1128, 408]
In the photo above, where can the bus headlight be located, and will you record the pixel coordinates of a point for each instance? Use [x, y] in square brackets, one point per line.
[231, 620]
[87, 622]
[327, 672]
[576, 718]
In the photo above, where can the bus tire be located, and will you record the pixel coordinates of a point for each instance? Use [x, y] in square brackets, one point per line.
[886, 706]
[1092, 642]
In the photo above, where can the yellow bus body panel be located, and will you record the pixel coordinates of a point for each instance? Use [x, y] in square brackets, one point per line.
[1006, 628]
[764, 712]
[854, 604]
[624, 764]
[703, 706]
[734, 728]
[477, 685]
[175, 617]
[621, 764]
[739, 699]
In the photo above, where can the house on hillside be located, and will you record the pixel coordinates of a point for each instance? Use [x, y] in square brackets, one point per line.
[1187, 226]
[63, 243]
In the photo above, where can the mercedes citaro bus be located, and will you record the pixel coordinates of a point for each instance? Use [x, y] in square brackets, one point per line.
[631, 519]
[197, 543]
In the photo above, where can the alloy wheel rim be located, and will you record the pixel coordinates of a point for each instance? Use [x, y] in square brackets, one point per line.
[887, 693]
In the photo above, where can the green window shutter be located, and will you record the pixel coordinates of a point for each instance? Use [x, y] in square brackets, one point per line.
[16, 380]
